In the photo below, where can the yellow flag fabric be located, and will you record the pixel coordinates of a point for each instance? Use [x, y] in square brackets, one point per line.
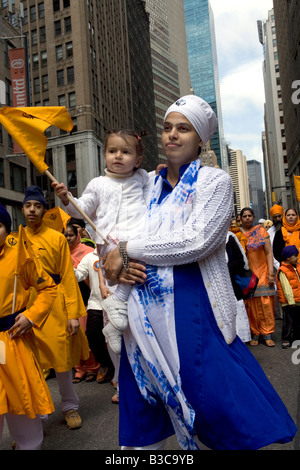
[27, 126]
[25, 252]
[56, 218]
[297, 186]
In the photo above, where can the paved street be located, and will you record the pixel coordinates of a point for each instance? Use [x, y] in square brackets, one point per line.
[100, 417]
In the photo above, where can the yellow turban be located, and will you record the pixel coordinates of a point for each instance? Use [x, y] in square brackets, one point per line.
[276, 210]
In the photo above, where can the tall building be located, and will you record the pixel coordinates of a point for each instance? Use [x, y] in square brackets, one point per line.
[203, 65]
[164, 65]
[275, 154]
[257, 199]
[287, 18]
[15, 170]
[93, 57]
[238, 172]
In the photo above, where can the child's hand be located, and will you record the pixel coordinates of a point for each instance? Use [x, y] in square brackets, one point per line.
[61, 191]
[105, 292]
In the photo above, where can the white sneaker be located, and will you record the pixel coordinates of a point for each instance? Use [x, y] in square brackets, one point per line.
[116, 312]
[114, 337]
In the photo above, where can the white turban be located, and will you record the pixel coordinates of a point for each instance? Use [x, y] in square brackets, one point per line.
[199, 113]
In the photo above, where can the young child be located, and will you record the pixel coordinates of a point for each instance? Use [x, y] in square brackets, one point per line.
[116, 204]
[288, 284]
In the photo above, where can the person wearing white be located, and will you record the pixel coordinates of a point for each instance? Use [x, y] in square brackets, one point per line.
[183, 369]
[88, 269]
[242, 322]
[116, 204]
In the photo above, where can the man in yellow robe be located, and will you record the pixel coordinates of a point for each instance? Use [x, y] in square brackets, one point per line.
[61, 343]
[24, 394]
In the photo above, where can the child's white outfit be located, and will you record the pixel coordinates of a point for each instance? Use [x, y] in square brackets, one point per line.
[116, 204]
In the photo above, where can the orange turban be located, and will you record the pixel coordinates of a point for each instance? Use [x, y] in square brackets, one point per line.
[276, 210]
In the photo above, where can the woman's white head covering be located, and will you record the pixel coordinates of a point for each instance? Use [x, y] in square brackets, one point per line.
[199, 113]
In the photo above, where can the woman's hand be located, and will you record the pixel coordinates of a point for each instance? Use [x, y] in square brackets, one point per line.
[271, 279]
[112, 265]
[135, 274]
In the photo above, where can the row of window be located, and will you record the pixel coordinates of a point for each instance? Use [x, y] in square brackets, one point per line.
[43, 84]
[39, 35]
[40, 10]
[59, 54]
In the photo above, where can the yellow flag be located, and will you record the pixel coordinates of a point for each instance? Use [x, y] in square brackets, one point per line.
[25, 252]
[297, 186]
[56, 218]
[27, 126]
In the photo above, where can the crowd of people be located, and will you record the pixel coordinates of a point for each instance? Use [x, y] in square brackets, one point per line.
[151, 306]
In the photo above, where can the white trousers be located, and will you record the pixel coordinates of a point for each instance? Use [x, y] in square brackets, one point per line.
[69, 399]
[26, 432]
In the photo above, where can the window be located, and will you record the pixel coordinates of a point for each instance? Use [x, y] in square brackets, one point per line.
[59, 52]
[43, 58]
[70, 74]
[34, 40]
[35, 61]
[36, 85]
[62, 100]
[41, 10]
[45, 86]
[69, 49]
[70, 153]
[43, 34]
[32, 14]
[57, 28]
[72, 100]
[17, 178]
[56, 6]
[72, 179]
[66, 3]
[68, 25]
[60, 77]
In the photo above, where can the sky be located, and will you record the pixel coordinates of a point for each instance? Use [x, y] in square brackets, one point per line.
[240, 58]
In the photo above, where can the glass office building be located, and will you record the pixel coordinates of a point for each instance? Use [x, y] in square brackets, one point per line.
[203, 65]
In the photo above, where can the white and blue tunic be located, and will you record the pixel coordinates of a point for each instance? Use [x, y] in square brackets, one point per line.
[221, 393]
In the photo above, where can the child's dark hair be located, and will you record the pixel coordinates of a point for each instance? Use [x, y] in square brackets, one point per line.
[127, 133]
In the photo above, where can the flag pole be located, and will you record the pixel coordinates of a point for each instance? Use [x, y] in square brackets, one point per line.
[15, 293]
[71, 200]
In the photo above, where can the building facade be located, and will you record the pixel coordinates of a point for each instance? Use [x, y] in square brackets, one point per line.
[287, 18]
[275, 153]
[93, 57]
[203, 66]
[257, 198]
[238, 172]
[15, 169]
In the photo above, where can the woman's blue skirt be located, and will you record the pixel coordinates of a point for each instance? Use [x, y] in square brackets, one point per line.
[236, 406]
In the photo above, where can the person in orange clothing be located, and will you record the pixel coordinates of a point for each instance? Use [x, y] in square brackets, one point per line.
[288, 284]
[289, 234]
[62, 343]
[24, 394]
[260, 307]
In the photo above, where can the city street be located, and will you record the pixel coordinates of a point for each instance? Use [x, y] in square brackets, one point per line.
[100, 417]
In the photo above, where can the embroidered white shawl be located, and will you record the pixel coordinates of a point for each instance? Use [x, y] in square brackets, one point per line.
[154, 360]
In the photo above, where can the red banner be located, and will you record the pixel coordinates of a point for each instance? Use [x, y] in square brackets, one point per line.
[18, 81]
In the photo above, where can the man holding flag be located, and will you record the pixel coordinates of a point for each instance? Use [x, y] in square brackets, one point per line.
[61, 343]
[24, 394]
